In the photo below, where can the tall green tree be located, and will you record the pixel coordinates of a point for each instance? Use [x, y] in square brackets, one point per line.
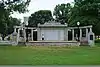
[7, 7]
[40, 16]
[62, 12]
[14, 5]
[85, 12]
[13, 22]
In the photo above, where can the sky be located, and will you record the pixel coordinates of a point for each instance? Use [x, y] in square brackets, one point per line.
[36, 5]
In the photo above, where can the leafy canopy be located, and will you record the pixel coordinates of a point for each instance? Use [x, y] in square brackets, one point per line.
[61, 12]
[86, 12]
[40, 16]
[7, 7]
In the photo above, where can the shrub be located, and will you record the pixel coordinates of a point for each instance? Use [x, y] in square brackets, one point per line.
[97, 41]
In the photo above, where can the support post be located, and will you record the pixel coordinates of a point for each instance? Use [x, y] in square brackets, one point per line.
[32, 34]
[14, 29]
[80, 34]
[18, 36]
[86, 33]
[73, 34]
[39, 34]
[67, 35]
[27, 33]
[90, 29]
[24, 34]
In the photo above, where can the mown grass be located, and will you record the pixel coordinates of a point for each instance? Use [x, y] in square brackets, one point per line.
[52, 55]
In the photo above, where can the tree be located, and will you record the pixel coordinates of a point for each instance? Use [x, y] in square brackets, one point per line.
[61, 12]
[7, 7]
[13, 22]
[40, 16]
[85, 12]
[14, 5]
[6, 27]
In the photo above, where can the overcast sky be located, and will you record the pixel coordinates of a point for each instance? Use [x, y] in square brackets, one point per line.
[36, 5]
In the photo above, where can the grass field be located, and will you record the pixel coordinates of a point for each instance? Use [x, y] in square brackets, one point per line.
[39, 55]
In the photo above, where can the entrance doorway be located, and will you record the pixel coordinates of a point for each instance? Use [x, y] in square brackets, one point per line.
[35, 35]
[69, 35]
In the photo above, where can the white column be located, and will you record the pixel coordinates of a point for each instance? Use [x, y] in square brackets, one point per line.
[39, 34]
[72, 34]
[67, 35]
[32, 34]
[90, 29]
[18, 35]
[24, 34]
[80, 34]
[14, 29]
[86, 33]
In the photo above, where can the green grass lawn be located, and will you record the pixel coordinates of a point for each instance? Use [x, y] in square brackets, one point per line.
[39, 55]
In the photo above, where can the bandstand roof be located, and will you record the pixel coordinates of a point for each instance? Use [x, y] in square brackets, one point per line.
[52, 24]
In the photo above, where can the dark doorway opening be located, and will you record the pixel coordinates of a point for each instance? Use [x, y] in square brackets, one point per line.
[69, 35]
[35, 35]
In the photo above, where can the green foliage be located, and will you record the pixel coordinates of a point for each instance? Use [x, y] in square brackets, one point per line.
[41, 16]
[62, 11]
[7, 23]
[15, 5]
[97, 41]
[85, 12]
[7, 7]
[4, 20]
[6, 26]
[13, 22]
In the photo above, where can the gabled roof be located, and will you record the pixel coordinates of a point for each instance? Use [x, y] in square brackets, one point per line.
[52, 24]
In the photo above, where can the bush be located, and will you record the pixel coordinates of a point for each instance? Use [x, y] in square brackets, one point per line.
[97, 41]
